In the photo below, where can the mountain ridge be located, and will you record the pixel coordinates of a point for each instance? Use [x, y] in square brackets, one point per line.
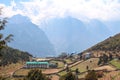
[74, 34]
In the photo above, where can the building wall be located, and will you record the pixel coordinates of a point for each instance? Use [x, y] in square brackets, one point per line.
[37, 65]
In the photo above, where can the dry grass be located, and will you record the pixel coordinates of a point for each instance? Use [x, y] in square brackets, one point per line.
[114, 75]
[116, 63]
[91, 63]
[55, 77]
[106, 67]
[50, 71]
[9, 69]
[22, 72]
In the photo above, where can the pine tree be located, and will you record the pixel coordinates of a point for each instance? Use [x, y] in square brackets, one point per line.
[3, 41]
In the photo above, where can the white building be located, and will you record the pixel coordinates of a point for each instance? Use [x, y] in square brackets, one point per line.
[87, 55]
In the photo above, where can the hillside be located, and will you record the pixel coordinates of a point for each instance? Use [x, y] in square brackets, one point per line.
[110, 45]
[10, 55]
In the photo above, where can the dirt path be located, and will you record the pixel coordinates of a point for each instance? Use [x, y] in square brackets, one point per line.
[51, 71]
[75, 63]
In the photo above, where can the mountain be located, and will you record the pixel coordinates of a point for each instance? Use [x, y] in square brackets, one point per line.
[72, 35]
[57, 35]
[110, 45]
[10, 55]
[66, 34]
[28, 37]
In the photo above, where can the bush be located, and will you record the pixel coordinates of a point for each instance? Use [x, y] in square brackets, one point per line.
[91, 75]
[2, 78]
[100, 74]
[36, 74]
[68, 76]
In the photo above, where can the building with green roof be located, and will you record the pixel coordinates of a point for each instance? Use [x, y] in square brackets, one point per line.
[36, 64]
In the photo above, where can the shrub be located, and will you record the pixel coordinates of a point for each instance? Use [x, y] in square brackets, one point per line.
[68, 76]
[91, 75]
[36, 74]
[100, 74]
[2, 78]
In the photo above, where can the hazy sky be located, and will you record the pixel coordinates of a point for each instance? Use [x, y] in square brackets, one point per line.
[40, 10]
[105, 15]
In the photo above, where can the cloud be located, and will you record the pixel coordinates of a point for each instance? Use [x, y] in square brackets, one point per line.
[42, 10]
[9, 11]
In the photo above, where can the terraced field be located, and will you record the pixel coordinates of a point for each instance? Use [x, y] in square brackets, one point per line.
[91, 63]
[81, 65]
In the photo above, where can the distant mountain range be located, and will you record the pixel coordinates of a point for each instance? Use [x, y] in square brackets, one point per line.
[28, 37]
[72, 35]
[58, 35]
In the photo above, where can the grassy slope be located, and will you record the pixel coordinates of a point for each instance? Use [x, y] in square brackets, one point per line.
[82, 66]
[116, 63]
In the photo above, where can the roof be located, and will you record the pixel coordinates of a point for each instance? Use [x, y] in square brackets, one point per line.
[37, 62]
[42, 59]
[88, 53]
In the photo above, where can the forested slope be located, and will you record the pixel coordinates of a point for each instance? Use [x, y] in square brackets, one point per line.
[10, 55]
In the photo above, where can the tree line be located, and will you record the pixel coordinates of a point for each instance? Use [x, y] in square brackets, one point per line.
[10, 55]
